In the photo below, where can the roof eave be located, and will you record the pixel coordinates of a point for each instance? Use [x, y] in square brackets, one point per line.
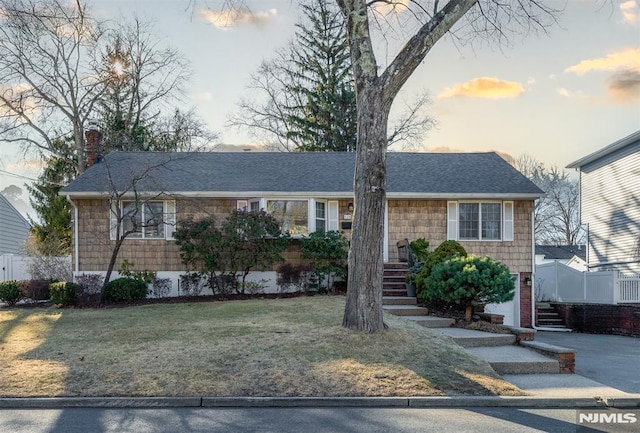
[306, 194]
[617, 145]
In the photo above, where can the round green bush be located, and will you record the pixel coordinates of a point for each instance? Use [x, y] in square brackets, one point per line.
[10, 292]
[470, 281]
[445, 251]
[125, 290]
[63, 293]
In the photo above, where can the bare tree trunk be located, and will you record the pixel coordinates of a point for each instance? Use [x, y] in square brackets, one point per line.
[364, 294]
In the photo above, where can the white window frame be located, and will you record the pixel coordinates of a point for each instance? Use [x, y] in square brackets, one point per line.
[168, 219]
[309, 220]
[507, 210]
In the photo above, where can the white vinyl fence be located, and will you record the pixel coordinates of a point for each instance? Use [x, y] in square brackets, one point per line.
[15, 267]
[558, 282]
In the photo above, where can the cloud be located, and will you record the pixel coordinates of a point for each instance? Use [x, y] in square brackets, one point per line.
[629, 10]
[624, 83]
[233, 17]
[484, 87]
[624, 86]
[578, 94]
[628, 58]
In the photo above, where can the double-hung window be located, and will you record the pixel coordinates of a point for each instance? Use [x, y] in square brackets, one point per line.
[154, 219]
[321, 216]
[480, 221]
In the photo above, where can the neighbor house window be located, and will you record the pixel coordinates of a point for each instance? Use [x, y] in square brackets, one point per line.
[153, 219]
[478, 221]
[293, 215]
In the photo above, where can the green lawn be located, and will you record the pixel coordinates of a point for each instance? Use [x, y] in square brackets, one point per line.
[281, 347]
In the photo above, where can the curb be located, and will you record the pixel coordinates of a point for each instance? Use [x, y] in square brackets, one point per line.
[307, 402]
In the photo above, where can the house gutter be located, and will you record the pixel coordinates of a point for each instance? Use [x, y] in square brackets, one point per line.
[76, 260]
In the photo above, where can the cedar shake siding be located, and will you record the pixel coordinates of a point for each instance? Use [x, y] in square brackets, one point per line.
[95, 247]
[413, 219]
[410, 219]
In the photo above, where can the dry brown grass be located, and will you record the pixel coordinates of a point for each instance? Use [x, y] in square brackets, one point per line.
[287, 347]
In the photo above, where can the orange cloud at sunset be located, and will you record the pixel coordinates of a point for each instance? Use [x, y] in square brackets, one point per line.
[236, 17]
[628, 58]
[624, 83]
[484, 87]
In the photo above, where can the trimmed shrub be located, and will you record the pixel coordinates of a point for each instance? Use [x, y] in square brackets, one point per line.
[125, 290]
[445, 251]
[192, 284]
[293, 278]
[420, 249]
[10, 292]
[161, 287]
[470, 281]
[63, 293]
[38, 290]
[89, 290]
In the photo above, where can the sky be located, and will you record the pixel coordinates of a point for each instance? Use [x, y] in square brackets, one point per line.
[556, 96]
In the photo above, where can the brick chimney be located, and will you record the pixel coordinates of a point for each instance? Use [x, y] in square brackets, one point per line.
[93, 137]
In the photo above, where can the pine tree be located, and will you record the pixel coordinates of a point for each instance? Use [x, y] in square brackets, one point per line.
[327, 122]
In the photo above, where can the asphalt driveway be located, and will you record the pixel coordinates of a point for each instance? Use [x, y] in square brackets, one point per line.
[612, 360]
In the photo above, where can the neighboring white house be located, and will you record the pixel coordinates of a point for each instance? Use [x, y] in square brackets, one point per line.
[570, 255]
[610, 205]
[14, 228]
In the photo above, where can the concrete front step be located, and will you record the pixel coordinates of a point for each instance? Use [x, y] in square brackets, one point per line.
[405, 310]
[399, 300]
[516, 360]
[394, 292]
[473, 338]
[431, 321]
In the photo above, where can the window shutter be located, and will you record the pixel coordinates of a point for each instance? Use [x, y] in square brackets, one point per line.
[508, 221]
[169, 219]
[113, 219]
[332, 215]
[452, 220]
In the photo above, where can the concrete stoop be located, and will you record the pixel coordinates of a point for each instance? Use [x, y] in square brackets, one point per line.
[405, 310]
[431, 321]
[516, 360]
[399, 300]
[471, 338]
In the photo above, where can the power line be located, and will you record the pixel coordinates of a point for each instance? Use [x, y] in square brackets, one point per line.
[17, 175]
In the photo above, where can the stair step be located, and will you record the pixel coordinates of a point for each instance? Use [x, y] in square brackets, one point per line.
[516, 360]
[399, 300]
[473, 338]
[388, 266]
[405, 310]
[431, 321]
[386, 286]
[394, 279]
[394, 292]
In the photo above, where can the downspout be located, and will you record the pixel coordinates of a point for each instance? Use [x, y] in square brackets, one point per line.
[76, 260]
[533, 270]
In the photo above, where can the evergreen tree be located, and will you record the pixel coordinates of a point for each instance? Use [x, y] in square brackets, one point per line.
[320, 57]
[52, 232]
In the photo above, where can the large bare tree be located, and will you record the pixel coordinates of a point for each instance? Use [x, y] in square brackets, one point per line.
[60, 67]
[421, 24]
[556, 215]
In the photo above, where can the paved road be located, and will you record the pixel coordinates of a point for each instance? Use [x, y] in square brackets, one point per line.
[613, 360]
[294, 420]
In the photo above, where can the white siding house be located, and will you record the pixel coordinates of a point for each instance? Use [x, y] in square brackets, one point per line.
[610, 204]
[14, 228]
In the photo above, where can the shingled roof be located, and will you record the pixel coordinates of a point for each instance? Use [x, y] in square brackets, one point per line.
[328, 174]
